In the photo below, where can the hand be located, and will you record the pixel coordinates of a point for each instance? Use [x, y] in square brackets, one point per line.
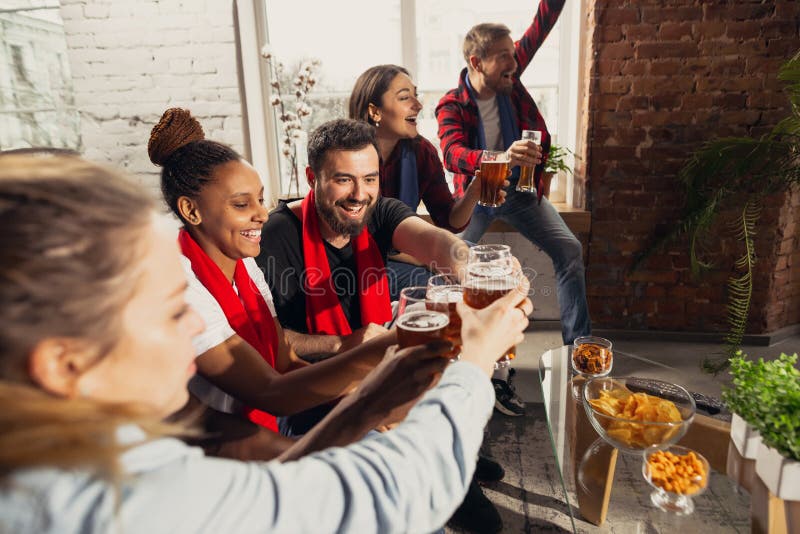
[505, 319]
[361, 335]
[474, 188]
[524, 152]
[394, 386]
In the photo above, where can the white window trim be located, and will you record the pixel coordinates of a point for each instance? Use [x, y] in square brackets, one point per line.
[260, 130]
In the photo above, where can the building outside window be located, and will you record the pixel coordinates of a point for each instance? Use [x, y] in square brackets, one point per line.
[37, 103]
[426, 38]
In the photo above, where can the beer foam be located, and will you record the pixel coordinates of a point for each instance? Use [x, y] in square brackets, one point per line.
[448, 294]
[490, 270]
[422, 321]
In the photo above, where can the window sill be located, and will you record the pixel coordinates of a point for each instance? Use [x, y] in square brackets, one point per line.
[578, 220]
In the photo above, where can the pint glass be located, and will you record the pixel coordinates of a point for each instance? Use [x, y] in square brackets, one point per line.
[490, 275]
[494, 170]
[416, 324]
[443, 294]
[525, 183]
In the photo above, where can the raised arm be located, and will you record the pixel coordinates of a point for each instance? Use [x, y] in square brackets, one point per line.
[544, 20]
[436, 248]
[236, 368]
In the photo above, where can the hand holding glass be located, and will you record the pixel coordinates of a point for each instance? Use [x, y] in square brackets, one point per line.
[416, 323]
[525, 183]
[494, 171]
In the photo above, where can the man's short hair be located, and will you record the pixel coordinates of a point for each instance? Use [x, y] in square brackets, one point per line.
[480, 38]
[339, 134]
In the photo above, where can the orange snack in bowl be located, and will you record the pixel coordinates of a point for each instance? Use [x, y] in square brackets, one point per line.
[640, 409]
[684, 474]
[591, 358]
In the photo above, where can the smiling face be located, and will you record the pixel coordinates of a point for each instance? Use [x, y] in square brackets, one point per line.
[346, 189]
[399, 109]
[229, 213]
[499, 66]
[154, 357]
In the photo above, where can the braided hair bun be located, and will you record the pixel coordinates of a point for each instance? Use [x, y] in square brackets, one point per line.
[176, 129]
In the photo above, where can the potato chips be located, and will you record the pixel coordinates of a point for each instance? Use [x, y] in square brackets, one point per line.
[640, 410]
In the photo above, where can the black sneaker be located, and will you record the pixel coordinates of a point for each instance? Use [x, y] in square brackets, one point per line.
[488, 470]
[477, 513]
[506, 400]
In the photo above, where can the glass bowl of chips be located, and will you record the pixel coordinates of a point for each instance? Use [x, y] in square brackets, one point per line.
[677, 474]
[591, 356]
[633, 420]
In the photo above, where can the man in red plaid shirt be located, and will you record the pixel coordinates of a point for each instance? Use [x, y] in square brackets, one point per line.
[488, 110]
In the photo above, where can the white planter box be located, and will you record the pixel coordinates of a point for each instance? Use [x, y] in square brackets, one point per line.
[744, 438]
[780, 474]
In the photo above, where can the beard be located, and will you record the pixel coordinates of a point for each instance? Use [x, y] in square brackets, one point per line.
[340, 225]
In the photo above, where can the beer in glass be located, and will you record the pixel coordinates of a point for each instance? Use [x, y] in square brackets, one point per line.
[416, 324]
[526, 182]
[490, 275]
[443, 295]
[494, 171]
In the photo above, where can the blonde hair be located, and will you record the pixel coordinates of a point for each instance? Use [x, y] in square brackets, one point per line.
[480, 38]
[72, 235]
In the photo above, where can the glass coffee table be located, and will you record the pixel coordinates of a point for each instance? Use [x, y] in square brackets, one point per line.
[602, 484]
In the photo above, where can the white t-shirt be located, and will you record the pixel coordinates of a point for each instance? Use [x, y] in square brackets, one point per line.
[217, 330]
[490, 118]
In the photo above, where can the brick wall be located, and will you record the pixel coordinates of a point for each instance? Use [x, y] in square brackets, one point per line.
[132, 60]
[665, 76]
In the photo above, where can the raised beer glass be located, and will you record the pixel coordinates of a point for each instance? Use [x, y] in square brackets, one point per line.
[444, 292]
[525, 183]
[491, 273]
[494, 170]
[416, 324]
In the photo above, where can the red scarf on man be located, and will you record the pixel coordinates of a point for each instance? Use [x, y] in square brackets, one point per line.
[324, 313]
[247, 312]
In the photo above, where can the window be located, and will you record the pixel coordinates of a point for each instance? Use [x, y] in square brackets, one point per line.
[36, 97]
[425, 37]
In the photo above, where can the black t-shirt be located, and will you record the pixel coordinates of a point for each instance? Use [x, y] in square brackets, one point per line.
[281, 259]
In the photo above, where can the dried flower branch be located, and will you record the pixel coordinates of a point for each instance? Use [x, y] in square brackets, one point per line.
[291, 116]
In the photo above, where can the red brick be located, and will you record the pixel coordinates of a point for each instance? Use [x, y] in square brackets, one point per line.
[615, 118]
[666, 67]
[729, 12]
[730, 100]
[787, 9]
[610, 34]
[616, 16]
[779, 28]
[695, 101]
[635, 68]
[621, 50]
[732, 48]
[665, 49]
[706, 29]
[763, 65]
[666, 101]
[615, 85]
[607, 291]
[747, 29]
[641, 32]
[675, 31]
[782, 47]
[657, 15]
[661, 277]
[727, 67]
[607, 67]
[652, 85]
[628, 102]
[721, 83]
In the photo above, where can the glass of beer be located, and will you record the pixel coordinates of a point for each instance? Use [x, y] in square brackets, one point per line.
[444, 292]
[494, 170]
[491, 274]
[525, 183]
[416, 324]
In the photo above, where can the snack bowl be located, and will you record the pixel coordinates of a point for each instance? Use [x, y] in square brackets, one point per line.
[591, 356]
[677, 474]
[632, 420]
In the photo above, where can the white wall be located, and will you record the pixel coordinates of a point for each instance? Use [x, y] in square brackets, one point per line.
[132, 60]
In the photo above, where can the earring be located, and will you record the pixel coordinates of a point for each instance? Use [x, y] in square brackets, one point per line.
[377, 124]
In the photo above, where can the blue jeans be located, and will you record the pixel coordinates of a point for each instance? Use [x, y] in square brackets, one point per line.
[543, 226]
[402, 275]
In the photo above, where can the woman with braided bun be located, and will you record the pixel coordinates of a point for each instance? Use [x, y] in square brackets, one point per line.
[244, 364]
[96, 349]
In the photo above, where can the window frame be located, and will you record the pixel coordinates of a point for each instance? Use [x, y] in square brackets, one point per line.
[261, 128]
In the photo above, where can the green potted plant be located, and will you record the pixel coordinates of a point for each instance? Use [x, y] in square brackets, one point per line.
[766, 395]
[556, 162]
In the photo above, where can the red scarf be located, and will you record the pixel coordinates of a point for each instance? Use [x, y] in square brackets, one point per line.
[247, 312]
[324, 313]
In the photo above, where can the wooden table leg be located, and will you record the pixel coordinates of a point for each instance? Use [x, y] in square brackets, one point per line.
[594, 462]
[766, 510]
